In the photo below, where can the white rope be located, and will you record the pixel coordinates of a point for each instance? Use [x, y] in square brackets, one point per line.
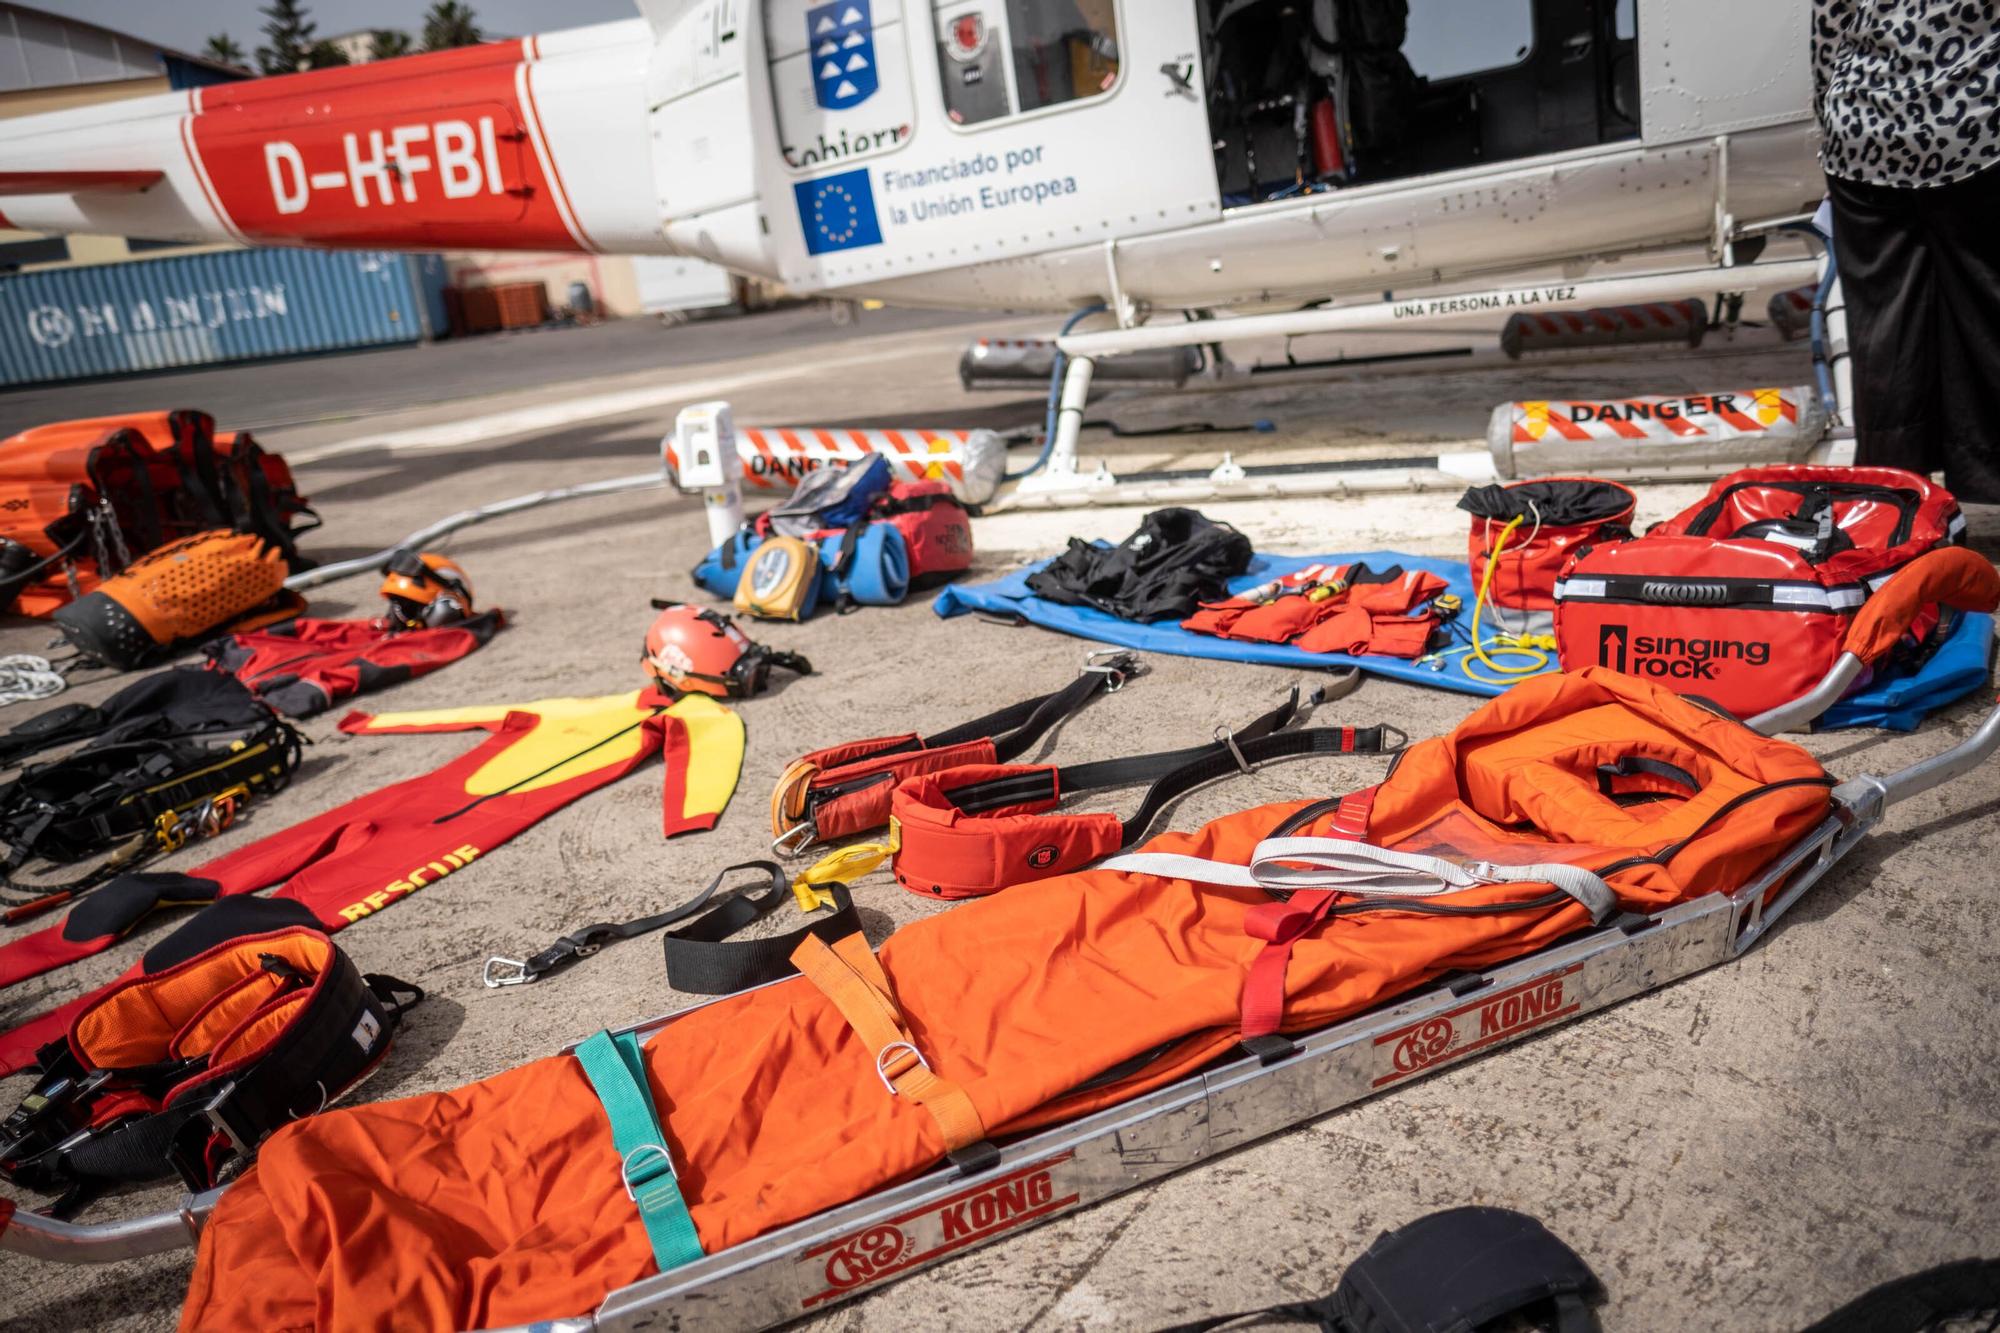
[25, 677]
[1365, 871]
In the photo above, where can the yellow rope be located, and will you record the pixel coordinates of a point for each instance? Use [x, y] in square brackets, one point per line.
[1521, 645]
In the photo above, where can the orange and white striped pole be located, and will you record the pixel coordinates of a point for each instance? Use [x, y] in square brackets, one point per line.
[1539, 437]
[773, 458]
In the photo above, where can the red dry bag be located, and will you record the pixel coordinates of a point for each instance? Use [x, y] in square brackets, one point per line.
[1745, 598]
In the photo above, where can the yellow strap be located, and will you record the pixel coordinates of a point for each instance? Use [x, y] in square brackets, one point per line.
[846, 865]
[851, 977]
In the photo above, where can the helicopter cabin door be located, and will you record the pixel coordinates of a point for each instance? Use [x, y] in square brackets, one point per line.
[920, 135]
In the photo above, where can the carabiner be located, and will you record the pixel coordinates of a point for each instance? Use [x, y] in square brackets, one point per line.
[792, 843]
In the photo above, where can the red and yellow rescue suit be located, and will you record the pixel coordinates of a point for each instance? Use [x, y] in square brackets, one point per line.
[501, 1202]
[376, 849]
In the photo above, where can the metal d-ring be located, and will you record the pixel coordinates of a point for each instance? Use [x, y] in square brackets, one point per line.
[644, 1152]
[1118, 664]
[882, 1060]
[1225, 736]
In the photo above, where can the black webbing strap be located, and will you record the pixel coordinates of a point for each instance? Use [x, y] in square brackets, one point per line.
[1633, 766]
[702, 959]
[1174, 773]
[1171, 786]
[1018, 726]
[587, 941]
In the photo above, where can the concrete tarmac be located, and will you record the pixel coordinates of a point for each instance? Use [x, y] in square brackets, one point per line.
[1745, 1149]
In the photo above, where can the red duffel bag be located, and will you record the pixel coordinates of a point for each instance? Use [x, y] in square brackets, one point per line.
[935, 528]
[1745, 598]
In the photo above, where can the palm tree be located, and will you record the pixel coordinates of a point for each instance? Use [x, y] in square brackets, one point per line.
[388, 43]
[222, 47]
[450, 23]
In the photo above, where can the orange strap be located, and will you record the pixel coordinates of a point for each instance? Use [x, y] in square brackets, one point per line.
[849, 974]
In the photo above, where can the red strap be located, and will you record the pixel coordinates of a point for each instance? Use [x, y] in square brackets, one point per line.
[1282, 924]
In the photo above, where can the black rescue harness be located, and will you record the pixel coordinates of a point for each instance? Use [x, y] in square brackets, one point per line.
[170, 758]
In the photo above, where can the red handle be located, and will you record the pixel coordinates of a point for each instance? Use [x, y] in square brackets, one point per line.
[36, 906]
[1952, 575]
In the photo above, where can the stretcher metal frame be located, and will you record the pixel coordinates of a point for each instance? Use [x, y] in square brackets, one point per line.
[848, 1251]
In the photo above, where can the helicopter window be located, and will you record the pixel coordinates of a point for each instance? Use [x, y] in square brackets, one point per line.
[1312, 95]
[999, 58]
[1442, 45]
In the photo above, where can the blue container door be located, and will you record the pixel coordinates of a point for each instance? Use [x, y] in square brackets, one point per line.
[234, 305]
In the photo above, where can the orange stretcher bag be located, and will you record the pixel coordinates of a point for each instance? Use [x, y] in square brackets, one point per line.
[507, 1202]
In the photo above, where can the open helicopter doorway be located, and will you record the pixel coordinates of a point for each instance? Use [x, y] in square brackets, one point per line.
[1313, 95]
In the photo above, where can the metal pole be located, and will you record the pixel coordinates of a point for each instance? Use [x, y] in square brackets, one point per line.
[1417, 311]
[1060, 473]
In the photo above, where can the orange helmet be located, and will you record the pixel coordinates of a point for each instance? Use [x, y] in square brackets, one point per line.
[693, 650]
[426, 589]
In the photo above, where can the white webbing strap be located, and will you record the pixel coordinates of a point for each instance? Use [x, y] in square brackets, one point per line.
[1365, 871]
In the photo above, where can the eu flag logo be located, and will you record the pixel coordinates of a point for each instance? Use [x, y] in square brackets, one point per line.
[841, 37]
[838, 212]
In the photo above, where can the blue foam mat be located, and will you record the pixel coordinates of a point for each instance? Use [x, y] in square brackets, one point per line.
[1960, 665]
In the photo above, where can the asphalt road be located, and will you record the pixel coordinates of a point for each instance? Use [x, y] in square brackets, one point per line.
[269, 395]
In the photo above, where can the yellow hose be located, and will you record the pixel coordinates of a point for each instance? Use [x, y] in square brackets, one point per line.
[1521, 645]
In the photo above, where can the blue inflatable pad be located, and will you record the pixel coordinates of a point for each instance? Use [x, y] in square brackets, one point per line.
[1962, 664]
[1959, 666]
[1010, 596]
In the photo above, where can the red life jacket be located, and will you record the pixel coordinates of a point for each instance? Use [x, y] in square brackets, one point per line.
[1349, 609]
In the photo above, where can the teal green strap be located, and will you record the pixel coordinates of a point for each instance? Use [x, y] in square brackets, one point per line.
[618, 1075]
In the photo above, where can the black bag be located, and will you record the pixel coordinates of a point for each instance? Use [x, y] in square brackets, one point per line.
[1176, 560]
[181, 700]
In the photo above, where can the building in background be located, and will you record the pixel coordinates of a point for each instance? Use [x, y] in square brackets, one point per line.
[357, 46]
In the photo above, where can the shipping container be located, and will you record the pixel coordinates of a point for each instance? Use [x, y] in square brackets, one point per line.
[231, 305]
[671, 284]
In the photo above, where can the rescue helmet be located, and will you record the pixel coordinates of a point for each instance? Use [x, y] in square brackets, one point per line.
[426, 589]
[695, 650]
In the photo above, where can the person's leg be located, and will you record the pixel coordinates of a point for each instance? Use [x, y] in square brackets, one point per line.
[1888, 280]
[1964, 225]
